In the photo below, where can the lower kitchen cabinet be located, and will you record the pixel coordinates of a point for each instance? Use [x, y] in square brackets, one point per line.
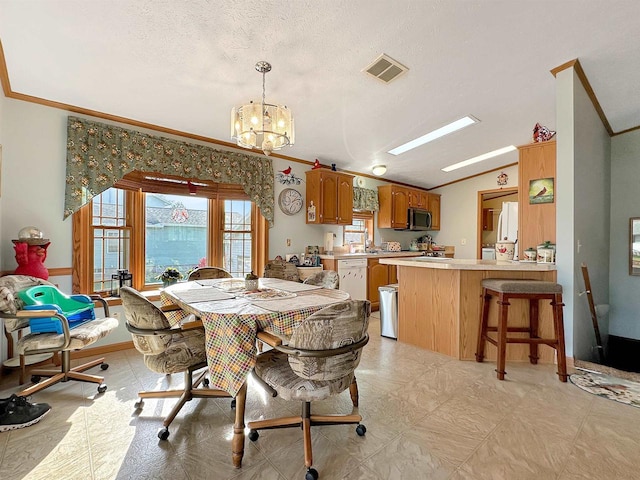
[378, 275]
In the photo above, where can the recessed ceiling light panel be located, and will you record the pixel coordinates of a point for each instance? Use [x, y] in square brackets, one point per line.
[479, 158]
[431, 136]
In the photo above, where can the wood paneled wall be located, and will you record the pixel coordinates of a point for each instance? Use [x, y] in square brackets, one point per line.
[536, 222]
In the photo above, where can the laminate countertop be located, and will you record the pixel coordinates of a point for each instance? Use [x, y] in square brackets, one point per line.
[343, 256]
[469, 264]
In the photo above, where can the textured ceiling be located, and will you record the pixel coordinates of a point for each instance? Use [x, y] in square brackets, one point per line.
[185, 64]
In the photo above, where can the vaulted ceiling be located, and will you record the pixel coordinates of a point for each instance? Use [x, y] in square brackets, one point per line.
[184, 64]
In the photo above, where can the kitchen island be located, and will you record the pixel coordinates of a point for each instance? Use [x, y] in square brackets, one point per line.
[440, 300]
[371, 276]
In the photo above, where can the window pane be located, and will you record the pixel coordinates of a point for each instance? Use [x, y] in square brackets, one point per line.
[175, 232]
[111, 237]
[236, 245]
[108, 208]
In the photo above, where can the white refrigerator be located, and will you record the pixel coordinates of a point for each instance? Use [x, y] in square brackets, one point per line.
[508, 223]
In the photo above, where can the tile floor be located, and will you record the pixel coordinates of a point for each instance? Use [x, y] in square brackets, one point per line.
[427, 417]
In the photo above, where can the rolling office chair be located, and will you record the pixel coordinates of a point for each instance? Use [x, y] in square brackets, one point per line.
[318, 362]
[167, 350]
[325, 279]
[54, 329]
[204, 273]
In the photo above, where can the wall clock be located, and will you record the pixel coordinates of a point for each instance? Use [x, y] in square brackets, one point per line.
[290, 201]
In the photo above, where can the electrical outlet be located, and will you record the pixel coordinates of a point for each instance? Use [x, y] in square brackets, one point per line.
[463, 241]
[288, 242]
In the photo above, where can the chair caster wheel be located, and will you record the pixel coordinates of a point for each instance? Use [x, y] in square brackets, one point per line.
[138, 405]
[35, 378]
[312, 474]
[102, 388]
[233, 403]
[163, 433]
[104, 366]
[205, 383]
[361, 430]
[253, 435]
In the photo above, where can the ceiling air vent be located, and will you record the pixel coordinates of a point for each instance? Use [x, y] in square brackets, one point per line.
[385, 68]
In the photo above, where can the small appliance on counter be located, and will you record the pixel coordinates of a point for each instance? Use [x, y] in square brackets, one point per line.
[391, 246]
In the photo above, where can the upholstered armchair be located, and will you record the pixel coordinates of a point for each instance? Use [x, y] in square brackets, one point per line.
[167, 350]
[66, 337]
[318, 362]
[325, 279]
[204, 273]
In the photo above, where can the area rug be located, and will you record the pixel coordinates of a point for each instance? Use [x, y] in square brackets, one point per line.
[613, 388]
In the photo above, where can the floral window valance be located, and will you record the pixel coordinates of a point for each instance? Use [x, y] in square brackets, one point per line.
[365, 199]
[98, 155]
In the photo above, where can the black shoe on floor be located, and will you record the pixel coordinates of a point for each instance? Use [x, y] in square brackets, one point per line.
[16, 412]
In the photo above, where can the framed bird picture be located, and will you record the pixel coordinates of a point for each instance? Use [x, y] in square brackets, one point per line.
[541, 191]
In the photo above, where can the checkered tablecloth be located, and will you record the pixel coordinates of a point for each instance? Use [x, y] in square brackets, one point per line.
[231, 326]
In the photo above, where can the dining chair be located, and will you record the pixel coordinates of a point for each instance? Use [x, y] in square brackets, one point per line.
[167, 350]
[204, 273]
[325, 279]
[318, 362]
[55, 330]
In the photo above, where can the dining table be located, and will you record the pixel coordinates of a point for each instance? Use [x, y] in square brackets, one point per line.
[232, 316]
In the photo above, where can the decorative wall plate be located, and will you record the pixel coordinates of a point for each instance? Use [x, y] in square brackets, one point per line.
[360, 182]
[290, 201]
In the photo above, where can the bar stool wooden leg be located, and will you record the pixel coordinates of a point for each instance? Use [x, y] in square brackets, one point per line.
[484, 323]
[534, 325]
[558, 323]
[502, 335]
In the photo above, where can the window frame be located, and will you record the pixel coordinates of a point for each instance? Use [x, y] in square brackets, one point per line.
[136, 185]
[367, 216]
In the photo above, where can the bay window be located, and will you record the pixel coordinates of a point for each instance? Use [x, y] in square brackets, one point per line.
[146, 224]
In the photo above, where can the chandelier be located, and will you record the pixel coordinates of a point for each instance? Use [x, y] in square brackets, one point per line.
[263, 126]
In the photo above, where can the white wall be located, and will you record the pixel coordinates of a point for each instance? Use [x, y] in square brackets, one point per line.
[592, 200]
[582, 209]
[459, 209]
[34, 180]
[625, 203]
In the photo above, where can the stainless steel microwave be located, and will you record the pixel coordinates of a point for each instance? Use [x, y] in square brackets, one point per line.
[419, 219]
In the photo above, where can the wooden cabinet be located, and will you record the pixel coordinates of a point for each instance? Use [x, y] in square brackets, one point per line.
[418, 199]
[377, 276]
[396, 200]
[434, 208]
[537, 221]
[332, 195]
[487, 219]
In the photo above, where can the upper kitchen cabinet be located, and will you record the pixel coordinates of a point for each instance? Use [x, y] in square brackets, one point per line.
[536, 221]
[332, 195]
[394, 203]
[434, 208]
[419, 199]
[396, 200]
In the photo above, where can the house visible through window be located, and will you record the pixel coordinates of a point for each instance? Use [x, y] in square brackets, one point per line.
[176, 232]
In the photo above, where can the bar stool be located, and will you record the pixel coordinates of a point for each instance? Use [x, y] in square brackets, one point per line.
[534, 291]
